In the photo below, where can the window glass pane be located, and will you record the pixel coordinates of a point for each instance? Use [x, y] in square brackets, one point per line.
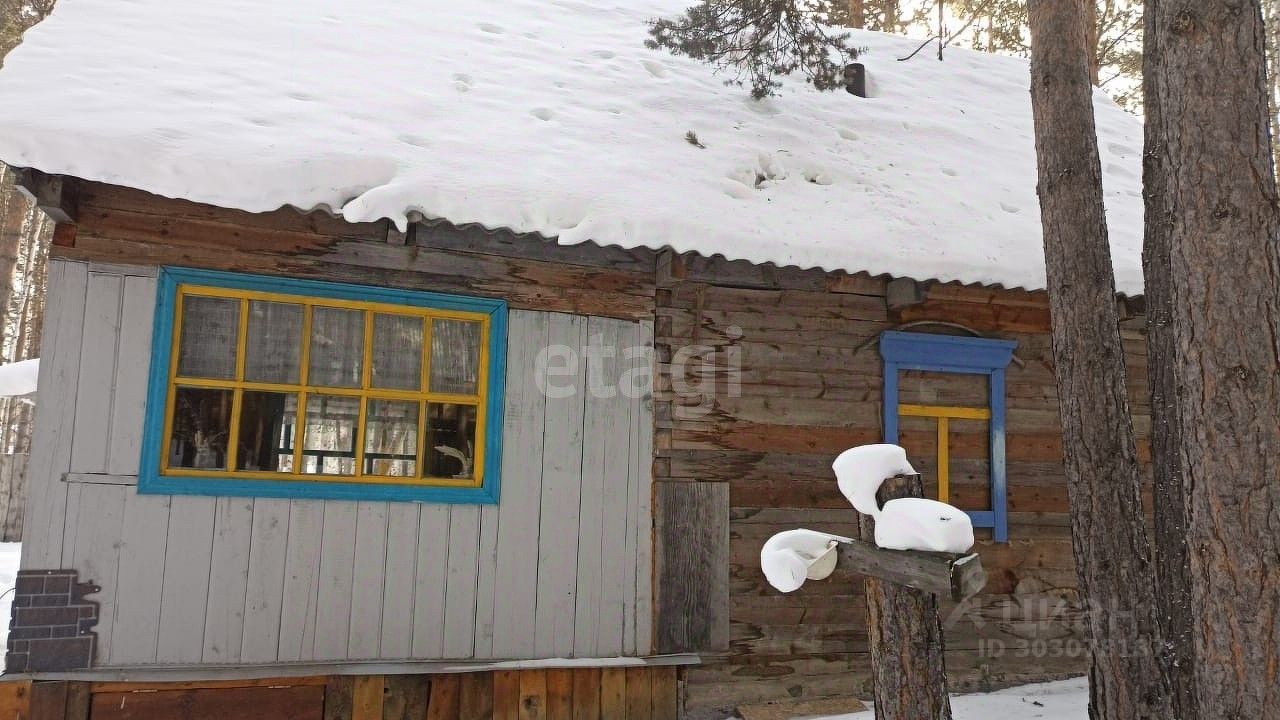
[275, 342]
[207, 343]
[391, 438]
[451, 434]
[337, 347]
[329, 444]
[455, 356]
[267, 430]
[397, 351]
[201, 421]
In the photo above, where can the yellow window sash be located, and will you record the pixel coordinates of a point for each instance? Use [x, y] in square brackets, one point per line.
[944, 414]
[303, 389]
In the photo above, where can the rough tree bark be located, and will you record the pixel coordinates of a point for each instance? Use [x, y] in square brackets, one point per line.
[1169, 496]
[1224, 287]
[1109, 538]
[858, 13]
[905, 634]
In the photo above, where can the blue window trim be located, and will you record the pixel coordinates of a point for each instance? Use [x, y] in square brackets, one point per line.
[961, 355]
[151, 482]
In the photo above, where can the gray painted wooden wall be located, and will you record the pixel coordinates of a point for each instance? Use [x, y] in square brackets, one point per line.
[560, 568]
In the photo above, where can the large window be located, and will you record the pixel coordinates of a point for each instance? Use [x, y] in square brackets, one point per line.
[267, 386]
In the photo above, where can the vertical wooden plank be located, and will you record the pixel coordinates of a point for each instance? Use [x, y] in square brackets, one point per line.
[616, 565]
[999, 483]
[486, 578]
[639, 693]
[475, 696]
[366, 697]
[666, 693]
[613, 687]
[96, 553]
[641, 481]
[228, 579]
[445, 698]
[338, 692]
[128, 404]
[561, 485]
[586, 694]
[431, 573]
[140, 579]
[92, 428]
[506, 695]
[559, 694]
[533, 695]
[42, 540]
[398, 583]
[185, 591]
[300, 595]
[333, 601]
[15, 699]
[369, 564]
[516, 581]
[48, 700]
[264, 595]
[460, 587]
[78, 701]
[591, 527]
[411, 697]
[693, 597]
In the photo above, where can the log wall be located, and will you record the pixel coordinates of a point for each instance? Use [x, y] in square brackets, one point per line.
[792, 378]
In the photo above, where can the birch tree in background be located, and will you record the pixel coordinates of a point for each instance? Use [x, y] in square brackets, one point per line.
[25, 234]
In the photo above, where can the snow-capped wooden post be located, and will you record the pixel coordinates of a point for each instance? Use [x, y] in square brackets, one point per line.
[905, 633]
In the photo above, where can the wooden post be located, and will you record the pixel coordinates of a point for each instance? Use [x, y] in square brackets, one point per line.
[907, 649]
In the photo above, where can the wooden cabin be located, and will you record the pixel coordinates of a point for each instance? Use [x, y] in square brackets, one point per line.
[329, 468]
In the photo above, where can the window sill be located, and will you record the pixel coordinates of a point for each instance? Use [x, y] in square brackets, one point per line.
[166, 485]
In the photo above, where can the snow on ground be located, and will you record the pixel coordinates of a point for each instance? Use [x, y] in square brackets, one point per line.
[1063, 700]
[9, 555]
[551, 116]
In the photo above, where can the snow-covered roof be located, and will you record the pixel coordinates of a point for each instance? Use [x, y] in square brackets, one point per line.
[551, 116]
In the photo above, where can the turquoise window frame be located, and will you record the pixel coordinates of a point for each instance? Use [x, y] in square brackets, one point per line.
[150, 481]
[960, 355]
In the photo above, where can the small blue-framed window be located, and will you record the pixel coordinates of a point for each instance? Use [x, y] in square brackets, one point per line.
[962, 355]
[277, 387]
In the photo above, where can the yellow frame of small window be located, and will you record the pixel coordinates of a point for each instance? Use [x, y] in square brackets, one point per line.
[365, 392]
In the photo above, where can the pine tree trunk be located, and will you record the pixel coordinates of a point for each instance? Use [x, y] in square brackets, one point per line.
[1107, 527]
[1169, 495]
[890, 15]
[858, 13]
[908, 668]
[1224, 287]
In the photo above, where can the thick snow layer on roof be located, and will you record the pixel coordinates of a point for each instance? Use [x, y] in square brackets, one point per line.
[551, 116]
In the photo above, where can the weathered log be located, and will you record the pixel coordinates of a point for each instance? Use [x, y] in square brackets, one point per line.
[957, 577]
[907, 667]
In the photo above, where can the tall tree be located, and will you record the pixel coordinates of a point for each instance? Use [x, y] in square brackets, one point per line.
[1112, 552]
[1169, 496]
[1224, 290]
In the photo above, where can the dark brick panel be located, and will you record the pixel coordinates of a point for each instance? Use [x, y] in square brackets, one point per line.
[51, 628]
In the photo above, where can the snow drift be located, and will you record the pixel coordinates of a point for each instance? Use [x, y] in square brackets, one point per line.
[551, 116]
